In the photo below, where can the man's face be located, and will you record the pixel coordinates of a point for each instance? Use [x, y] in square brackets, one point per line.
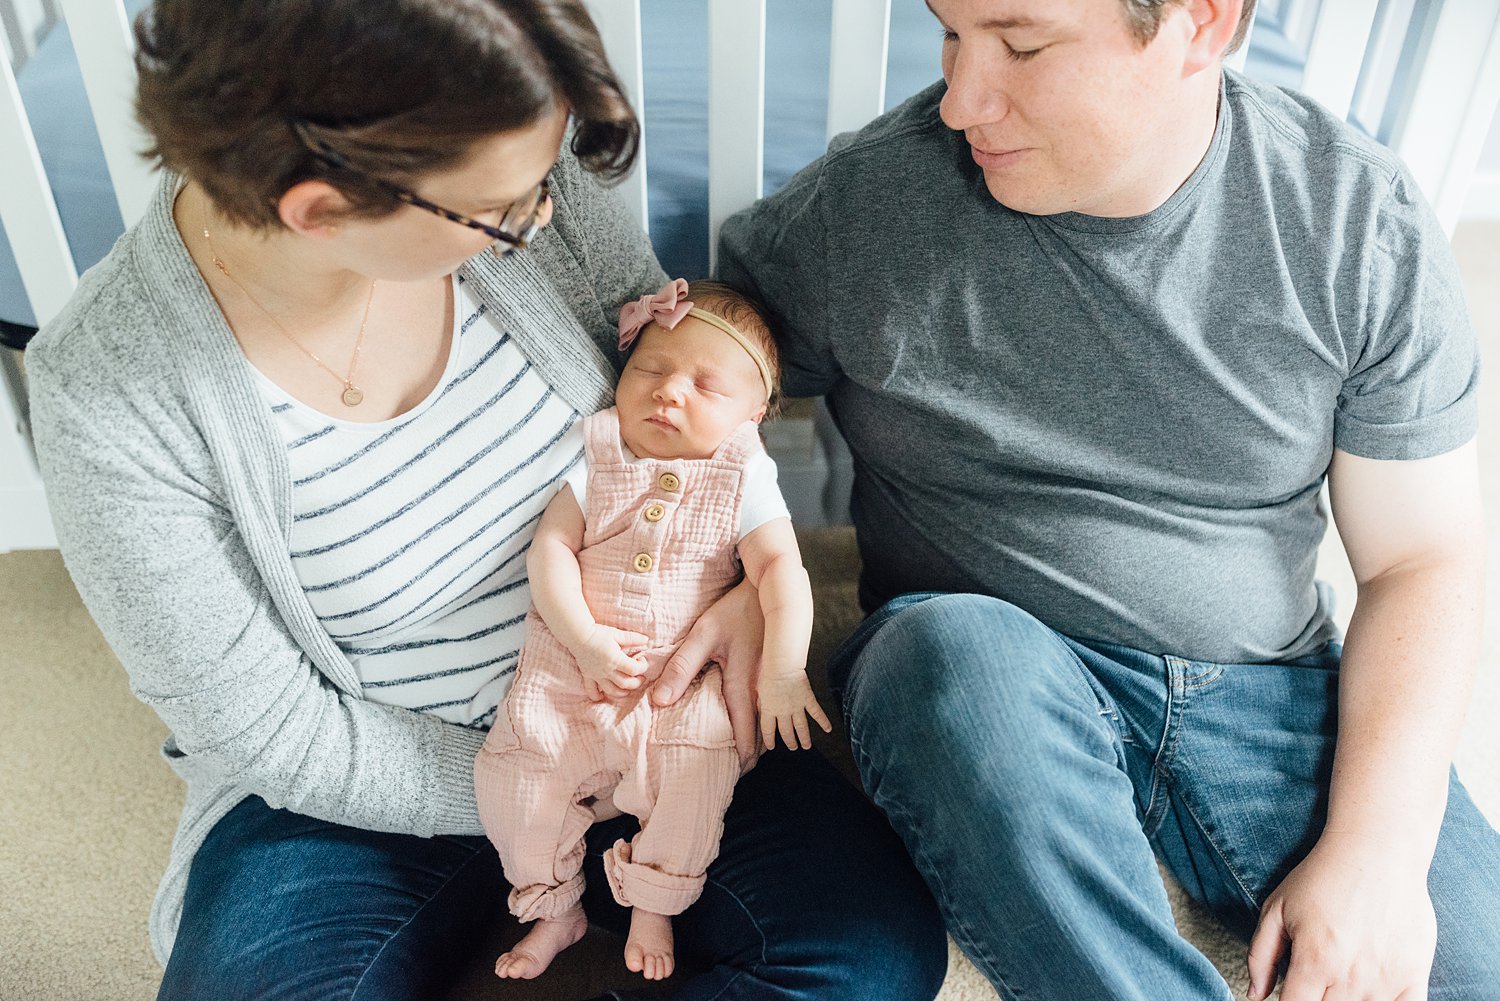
[1063, 108]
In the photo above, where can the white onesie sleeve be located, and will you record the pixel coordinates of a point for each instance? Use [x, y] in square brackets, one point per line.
[762, 501]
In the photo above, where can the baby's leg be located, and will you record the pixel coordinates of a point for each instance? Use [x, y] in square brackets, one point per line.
[547, 937]
[648, 950]
[540, 764]
[693, 768]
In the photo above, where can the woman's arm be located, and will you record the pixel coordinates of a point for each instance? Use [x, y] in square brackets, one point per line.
[773, 564]
[154, 548]
[557, 592]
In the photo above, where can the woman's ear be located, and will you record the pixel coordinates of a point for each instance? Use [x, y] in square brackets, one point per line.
[313, 208]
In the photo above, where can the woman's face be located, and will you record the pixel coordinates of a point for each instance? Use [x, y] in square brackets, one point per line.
[685, 390]
[412, 244]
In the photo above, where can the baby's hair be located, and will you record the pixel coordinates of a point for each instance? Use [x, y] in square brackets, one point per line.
[746, 315]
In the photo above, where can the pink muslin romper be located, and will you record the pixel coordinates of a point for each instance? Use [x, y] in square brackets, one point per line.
[658, 549]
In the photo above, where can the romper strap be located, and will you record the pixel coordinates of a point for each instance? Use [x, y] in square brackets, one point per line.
[601, 438]
[742, 443]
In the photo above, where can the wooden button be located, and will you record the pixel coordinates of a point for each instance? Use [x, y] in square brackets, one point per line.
[655, 512]
[644, 563]
[669, 482]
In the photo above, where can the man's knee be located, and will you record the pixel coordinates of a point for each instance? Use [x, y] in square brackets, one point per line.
[952, 658]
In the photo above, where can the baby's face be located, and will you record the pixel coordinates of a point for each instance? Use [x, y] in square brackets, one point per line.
[684, 390]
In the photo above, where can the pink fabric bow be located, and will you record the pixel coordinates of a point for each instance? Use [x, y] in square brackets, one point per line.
[666, 307]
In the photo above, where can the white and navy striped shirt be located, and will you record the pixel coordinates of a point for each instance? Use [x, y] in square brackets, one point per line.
[410, 535]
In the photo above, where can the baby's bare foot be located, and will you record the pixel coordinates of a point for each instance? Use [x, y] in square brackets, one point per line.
[648, 950]
[547, 937]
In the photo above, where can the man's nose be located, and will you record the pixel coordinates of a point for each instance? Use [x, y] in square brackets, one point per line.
[976, 87]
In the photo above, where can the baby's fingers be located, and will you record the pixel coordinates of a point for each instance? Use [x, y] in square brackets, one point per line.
[804, 735]
[787, 731]
[768, 729]
[628, 682]
[816, 712]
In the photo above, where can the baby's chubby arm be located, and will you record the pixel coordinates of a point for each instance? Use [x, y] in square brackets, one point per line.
[773, 564]
[557, 592]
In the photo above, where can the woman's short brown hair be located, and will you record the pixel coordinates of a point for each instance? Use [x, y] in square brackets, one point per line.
[398, 88]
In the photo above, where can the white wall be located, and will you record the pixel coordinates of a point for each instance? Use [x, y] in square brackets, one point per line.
[1483, 201]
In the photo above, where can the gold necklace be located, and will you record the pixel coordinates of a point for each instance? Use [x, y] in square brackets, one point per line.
[352, 395]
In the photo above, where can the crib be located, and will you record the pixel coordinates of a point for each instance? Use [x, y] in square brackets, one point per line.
[1422, 76]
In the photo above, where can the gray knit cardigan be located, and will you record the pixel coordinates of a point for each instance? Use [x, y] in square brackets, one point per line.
[171, 495]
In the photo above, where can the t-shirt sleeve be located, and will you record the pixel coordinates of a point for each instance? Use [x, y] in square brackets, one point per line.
[1412, 389]
[762, 501]
[777, 250]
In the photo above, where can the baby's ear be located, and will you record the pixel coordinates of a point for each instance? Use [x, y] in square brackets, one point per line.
[758, 415]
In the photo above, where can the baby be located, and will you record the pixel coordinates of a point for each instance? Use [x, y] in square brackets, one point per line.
[677, 494]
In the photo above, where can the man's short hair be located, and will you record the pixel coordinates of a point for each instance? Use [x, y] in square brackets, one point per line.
[1145, 20]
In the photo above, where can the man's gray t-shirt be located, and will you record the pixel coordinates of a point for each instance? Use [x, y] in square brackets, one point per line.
[1119, 425]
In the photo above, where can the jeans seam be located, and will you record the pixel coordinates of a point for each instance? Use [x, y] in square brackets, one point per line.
[749, 915]
[1166, 753]
[1218, 851]
[412, 917]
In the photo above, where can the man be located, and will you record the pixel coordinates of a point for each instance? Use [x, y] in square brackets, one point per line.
[1096, 319]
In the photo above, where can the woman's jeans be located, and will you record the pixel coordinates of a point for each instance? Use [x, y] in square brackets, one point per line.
[1036, 779]
[811, 897]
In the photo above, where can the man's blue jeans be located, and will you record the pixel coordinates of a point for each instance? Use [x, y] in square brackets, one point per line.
[811, 899]
[1035, 779]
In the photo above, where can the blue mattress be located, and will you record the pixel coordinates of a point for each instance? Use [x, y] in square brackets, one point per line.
[676, 99]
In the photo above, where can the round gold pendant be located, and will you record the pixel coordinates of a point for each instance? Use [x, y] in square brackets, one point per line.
[353, 396]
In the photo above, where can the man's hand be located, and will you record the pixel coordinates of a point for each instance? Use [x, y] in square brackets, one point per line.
[1356, 924]
[729, 633]
[610, 662]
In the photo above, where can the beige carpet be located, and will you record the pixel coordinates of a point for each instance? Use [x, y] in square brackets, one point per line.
[89, 808]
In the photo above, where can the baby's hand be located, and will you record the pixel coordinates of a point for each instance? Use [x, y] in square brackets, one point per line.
[608, 671]
[786, 700]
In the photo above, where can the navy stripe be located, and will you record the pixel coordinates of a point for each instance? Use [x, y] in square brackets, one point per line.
[492, 594]
[455, 702]
[310, 437]
[409, 584]
[397, 554]
[462, 468]
[470, 321]
[424, 644]
[395, 682]
[387, 626]
[387, 436]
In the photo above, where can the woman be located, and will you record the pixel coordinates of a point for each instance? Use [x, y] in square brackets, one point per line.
[297, 429]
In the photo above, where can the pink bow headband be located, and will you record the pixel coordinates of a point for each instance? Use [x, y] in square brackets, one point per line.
[667, 308]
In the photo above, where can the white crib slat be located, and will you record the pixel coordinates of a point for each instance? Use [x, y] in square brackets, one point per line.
[1452, 102]
[856, 64]
[101, 36]
[736, 109]
[1340, 38]
[28, 211]
[619, 24]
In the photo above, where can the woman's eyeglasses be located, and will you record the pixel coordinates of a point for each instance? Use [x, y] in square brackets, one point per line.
[517, 228]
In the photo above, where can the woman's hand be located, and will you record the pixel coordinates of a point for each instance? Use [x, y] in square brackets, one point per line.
[786, 700]
[609, 671]
[1353, 923]
[729, 633]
